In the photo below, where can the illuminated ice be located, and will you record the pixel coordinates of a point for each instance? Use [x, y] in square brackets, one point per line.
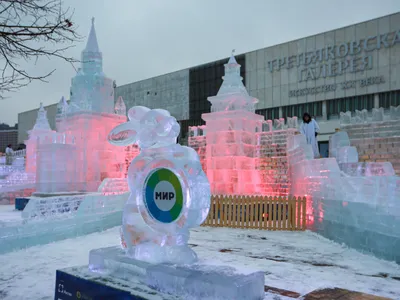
[155, 132]
[354, 196]
[239, 150]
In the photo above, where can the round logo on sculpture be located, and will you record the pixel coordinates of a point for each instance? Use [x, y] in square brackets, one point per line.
[163, 195]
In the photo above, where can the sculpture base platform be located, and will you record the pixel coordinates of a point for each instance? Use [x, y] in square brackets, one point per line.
[203, 280]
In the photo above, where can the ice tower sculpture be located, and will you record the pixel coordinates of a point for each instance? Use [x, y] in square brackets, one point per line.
[120, 108]
[90, 116]
[90, 89]
[169, 191]
[40, 130]
[231, 136]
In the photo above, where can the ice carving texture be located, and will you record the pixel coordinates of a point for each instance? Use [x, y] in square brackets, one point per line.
[62, 108]
[91, 90]
[395, 112]
[146, 237]
[241, 153]
[361, 116]
[345, 117]
[351, 202]
[377, 141]
[42, 123]
[49, 219]
[199, 281]
[232, 94]
[120, 108]
[377, 114]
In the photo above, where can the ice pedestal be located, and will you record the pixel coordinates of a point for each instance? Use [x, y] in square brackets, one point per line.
[198, 281]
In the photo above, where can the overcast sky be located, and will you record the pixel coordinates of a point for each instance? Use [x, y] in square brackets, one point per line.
[145, 38]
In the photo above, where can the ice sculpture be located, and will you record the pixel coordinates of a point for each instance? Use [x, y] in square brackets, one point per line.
[91, 90]
[351, 202]
[62, 108]
[120, 108]
[377, 139]
[40, 130]
[361, 116]
[395, 112]
[377, 114]
[292, 122]
[169, 191]
[345, 117]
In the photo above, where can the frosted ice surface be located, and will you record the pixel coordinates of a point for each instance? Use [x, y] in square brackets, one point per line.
[361, 116]
[197, 281]
[279, 123]
[395, 112]
[62, 108]
[120, 108]
[292, 122]
[337, 140]
[42, 123]
[347, 154]
[345, 118]
[146, 238]
[377, 114]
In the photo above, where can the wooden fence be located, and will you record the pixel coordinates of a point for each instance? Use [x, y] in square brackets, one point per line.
[258, 212]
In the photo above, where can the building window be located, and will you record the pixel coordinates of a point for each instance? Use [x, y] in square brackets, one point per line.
[313, 108]
[388, 99]
[336, 106]
[269, 113]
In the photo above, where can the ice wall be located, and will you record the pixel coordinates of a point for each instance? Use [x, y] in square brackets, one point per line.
[261, 166]
[98, 159]
[351, 202]
[59, 167]
[49, 219]
[376, 136]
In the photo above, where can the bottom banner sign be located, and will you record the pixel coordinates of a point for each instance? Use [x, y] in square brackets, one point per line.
[72, 287]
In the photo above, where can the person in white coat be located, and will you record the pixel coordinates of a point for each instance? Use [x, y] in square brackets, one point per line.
[310, 129]
[9, 155]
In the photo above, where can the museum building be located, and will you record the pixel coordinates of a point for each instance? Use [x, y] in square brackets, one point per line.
[351, 68]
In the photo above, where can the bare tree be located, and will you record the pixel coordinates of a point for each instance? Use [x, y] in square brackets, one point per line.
[29, 30]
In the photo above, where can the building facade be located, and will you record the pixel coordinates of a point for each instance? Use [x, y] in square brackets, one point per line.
[8, 137]
[351, 68]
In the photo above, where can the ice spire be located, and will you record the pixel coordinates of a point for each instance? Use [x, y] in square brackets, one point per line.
[232, 80]
[42, 123]
[232, 94]
[92, 45]
[92, 59]
[120, 107]
[62, 107]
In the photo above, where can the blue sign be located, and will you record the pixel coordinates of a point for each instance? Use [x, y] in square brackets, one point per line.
[72, 287]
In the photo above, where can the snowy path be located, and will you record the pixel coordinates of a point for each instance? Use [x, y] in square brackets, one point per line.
[296, 261]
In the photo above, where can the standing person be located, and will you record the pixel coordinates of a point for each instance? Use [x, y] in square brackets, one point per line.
[310, 129]
[9, 154]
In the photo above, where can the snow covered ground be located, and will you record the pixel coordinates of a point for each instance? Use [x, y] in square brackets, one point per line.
[295, 261]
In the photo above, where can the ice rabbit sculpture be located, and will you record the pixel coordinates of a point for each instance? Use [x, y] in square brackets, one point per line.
[158, 231]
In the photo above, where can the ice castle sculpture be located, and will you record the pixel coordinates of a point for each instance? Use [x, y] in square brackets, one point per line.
[78, 157]
[157, 229]
[241, 152]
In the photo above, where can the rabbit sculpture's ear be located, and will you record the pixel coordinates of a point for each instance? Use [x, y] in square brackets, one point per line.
[136, 113]
[123, 135]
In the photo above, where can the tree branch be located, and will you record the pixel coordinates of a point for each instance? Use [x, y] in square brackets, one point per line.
[30, 29]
